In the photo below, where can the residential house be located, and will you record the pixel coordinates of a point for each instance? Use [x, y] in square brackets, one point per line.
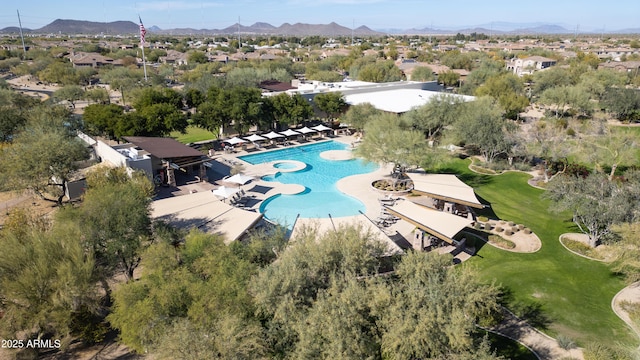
[530, 64]
[174, 58]
[626, 66]
[93, 60]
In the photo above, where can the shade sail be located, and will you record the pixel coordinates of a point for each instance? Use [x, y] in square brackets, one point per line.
[290, 132]
[445, 187]
[255, 137]
[225, 192]
[235, 140]
[306, 130]
[272, 135]
[437, 223]
[321, 128]
[206, 212]
[239, 179]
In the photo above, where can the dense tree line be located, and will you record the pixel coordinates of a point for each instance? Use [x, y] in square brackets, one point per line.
[296, 306]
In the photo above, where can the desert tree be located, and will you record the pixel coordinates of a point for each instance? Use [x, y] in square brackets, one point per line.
[595, 203]
[359, 115]
[481, 124]
[43, 158]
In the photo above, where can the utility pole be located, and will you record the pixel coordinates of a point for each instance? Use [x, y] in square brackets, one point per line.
[239, 43]
[24, 48]
[352, 29]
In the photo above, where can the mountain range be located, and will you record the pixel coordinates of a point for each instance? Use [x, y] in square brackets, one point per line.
[61, 26]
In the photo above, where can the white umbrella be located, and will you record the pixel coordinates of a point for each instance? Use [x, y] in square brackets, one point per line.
[272, 135]
[305, 130]
[225, 192]
[321, 127]
[255, 137]
[239, 179]
[234, 140]
[290, 132]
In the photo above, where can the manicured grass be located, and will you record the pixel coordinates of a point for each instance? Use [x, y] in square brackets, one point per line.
[557, 291]
[193, 134]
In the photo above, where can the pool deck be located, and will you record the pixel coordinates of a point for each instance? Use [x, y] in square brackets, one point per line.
[357, 186]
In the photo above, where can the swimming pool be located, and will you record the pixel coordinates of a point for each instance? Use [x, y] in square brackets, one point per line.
[321, 197]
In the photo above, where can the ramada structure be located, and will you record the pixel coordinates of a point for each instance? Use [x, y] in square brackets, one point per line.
[443, 211]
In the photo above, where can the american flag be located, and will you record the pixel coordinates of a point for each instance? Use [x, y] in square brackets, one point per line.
[143, 31]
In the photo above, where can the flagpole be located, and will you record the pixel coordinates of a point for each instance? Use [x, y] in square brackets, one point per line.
[144, 63]
[143, 32]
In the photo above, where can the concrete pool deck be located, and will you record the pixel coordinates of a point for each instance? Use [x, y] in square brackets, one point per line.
[357, 186]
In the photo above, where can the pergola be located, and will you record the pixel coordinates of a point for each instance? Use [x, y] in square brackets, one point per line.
[445, 187]
[437, 223]
[172, 155]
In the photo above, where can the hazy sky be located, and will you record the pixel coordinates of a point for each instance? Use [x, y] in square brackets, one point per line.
[376, 14]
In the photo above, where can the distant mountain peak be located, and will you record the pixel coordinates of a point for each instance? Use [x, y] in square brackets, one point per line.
[65, 26]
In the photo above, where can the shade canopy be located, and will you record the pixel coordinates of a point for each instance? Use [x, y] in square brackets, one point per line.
[321, 127]
[445, 187]
[290, 132]
[204, 211]
[255, 137]
[225, 192]
[272, 135]
[305, 130]
[235, 140]
[239, 179]
[437, 223]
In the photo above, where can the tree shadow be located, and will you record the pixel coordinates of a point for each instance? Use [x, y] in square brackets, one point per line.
[468, 177]
[530, 311]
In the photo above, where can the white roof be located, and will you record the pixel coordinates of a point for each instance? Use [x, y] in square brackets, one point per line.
[203, 210]
[239, 179]
[224, 191]
[305, 130]
[445, 186]
[255, 137]
[289, 132]
[272, 135]
[433, 221]
[321, 127]
[397, 101]
[235, 140]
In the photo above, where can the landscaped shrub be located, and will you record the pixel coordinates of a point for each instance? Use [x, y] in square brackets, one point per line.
[499, 228]
[520, 227]
[488, 226]
[511, 223]
[527, 231]
[508, 232]
[565, 342]
[599, 351]
[483, 218]
[514, 229]
[501, 242]
[477, 226]
[502, 222]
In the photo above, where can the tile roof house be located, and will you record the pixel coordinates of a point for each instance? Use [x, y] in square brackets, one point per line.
[92, 60]
[628, 66]
[174, 57]
[530, 64]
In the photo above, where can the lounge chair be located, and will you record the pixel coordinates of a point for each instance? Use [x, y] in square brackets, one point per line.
[387, 201]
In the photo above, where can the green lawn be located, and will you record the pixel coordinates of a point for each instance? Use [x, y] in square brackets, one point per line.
[558, 292]
[193, 134]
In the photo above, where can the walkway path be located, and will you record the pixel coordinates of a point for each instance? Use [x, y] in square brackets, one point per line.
[543, 346]
[631, 294]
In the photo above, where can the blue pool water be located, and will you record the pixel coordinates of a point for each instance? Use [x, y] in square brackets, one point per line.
[321, 197]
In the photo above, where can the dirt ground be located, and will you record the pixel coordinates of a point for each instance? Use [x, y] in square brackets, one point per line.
[21, 200]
